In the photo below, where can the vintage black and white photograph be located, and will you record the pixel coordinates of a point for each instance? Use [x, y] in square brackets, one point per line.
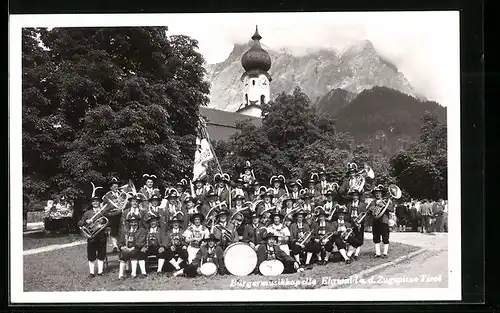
[235, 157]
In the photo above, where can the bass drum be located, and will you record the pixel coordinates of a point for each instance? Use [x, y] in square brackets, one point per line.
[271, 268]
[240, 259]
[208, 269]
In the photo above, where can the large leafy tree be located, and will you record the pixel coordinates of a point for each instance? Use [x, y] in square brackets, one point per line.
[101, 102]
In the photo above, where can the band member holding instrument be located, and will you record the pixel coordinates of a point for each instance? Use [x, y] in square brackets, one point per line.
[132, 240]
[254, 193]
[266, 203]
[294, 193]
[287, 206]
[330, 206]
[352, 169]
[182, 190]
[194, 235]
[277, 188]
[339, 227]
[154, 209]
[223, 230]
[323, 185]
[238, 190]
[237, 203]
[114, 214]
[354, 208]
[211, 202]
[312, 190]
[189, 207]
[271, 251]
[248, 177]
[253, 232]
[280, 230]
[208, 253]
[322, 231]
[174, 207]
[156, 241]
[299, 230]
[222, 189]
[96, 246]
[307, 206]
[148, 189]
[199, 191]
[134, 210]
[380, 226]
[176, 248]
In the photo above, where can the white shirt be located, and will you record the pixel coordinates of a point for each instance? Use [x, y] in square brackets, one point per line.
[153, 230]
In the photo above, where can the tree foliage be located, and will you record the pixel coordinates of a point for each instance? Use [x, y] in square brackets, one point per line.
[102, 102]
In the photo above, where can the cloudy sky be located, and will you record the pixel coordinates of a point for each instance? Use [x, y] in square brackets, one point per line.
[423, 45]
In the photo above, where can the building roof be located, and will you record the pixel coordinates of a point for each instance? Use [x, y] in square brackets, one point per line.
[256, 57]
[225, 118]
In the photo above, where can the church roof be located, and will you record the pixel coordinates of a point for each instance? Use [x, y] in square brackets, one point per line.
[256, 57]
[225, 118]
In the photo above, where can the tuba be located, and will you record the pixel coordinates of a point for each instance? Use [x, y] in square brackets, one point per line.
[381, 205]
[210, 218]
[359, 180]
[98, 222]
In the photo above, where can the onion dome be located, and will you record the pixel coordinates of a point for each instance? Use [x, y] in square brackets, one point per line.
[256, 58]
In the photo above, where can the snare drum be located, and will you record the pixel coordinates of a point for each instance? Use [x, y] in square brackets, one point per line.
[271, 268]
[240, 259]
[208, 269]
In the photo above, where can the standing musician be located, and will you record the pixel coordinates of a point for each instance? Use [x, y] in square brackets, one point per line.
[298, 229]
[247, 176]
[380, 226]
[148, 189]
[312, 190]
[176, 248]
[194, 234]
[237, 203]
[269, 250]
[134, 210]
[223, 230]
[182, 190]
[189, 206]
[209, 253]
[96, 246]
[339, 227]
[280, 230]
[156, 241]
[352, 169]
[222, 189]
[113, 214]
[323, 186]
[199, 191]
[132, 240]
[266, 203]
[354, 208]
[319, 229]
[254, 193]
[330, 206]
[238, 190]
[155, 209]
[287, 206]
[295, 193]
[211, 202]
[253, 232]
[245, 212]
[277, 188]
[174, 207]
[307, 206]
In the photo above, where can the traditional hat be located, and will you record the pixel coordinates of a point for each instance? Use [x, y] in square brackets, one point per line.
[269, 235]
[342, 209]
[136, 198]
[352, 167]
[195, 215]
[132, 217]
[322, 173]
[301, 212]
[380, 188]
[306, 195]
[222, 212]
[189, 198]
[247, 165]
[277, 214]
[95, 199]
[222, 177]
[288, 199]
[176, 218]
[320, 211]
[150, 216]
[149, 176]
[254, 215]
[113, 181]
[311, 181]
[330, 193]
[211, 237]
[274, 179]
[199, 180]
[239, 197]
[239, 181]
[267, 194]
[154, 197]
[256, 183]
[355, 192]
[173, 194]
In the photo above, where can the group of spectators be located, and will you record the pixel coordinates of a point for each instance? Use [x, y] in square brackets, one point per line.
[425, 216]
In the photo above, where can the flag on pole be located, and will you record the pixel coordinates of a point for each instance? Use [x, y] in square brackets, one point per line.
[203, 152]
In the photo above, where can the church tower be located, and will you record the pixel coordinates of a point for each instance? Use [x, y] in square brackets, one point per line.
[256, 62]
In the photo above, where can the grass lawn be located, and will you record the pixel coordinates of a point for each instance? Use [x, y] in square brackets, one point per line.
[67, 269]
[40, 239]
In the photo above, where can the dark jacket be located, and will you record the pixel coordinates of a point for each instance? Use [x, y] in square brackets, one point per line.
[384, 219]
[361, 208]
[171, 237]
[262, 254]
[88, 215]
[128, 239]
[295, 231]
[248, 234]
[203, 256]
[315, 229]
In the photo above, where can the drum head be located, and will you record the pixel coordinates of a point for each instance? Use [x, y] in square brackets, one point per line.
[271, 268]
[240, 259]
[208, 269]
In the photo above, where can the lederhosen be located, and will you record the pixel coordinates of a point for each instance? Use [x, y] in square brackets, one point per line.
[271, 255]
[380, 227]
[96, 246]
[328, 207]
[337, 239]
[176, 241]
[224, 241]
[130, 239]
[295, 249]
[153, 243]
[316, 247]
[191, 270]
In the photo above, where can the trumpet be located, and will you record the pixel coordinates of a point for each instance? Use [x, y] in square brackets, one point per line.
[326, 237]
[345, 235]
[305, 238]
